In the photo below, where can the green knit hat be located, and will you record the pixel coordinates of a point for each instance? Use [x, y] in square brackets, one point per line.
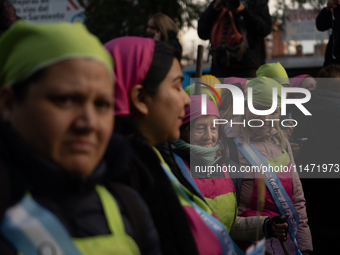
[274, 71]
[263, 91]
[26, 48]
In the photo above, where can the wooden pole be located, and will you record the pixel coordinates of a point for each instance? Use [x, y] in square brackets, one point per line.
[261, 198]
[284, 248]
[199, 68]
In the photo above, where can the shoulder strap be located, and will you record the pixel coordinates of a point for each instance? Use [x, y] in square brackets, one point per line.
[185, 170]
[134, 211]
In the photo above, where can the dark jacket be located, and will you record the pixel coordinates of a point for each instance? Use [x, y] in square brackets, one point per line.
[173, 41]
[254, 23]
[171, 221]
[72, 199]
[321, 129]
[322, 147]
[324, 22]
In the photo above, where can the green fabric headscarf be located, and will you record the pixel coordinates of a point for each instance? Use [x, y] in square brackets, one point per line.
[263, 91]
[274, 71]
[26, 48]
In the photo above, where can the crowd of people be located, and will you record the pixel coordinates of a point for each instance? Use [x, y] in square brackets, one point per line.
[102, 151]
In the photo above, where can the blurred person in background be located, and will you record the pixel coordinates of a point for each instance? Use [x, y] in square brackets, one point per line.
[8, 16]
[319, 139]
[321, 127]
[329, 18]
[252, 22]
[267, 145]
[303, 81]
[277, 72]
[162, 28]
[56, 122]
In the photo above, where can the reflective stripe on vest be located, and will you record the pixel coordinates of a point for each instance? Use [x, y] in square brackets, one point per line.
[274, 185]
[214, 224]
[180, 162]
[215, 192]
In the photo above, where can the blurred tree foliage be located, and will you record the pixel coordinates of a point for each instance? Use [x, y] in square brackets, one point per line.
[109, 19]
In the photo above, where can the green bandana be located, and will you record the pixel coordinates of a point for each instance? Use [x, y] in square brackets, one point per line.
[263, 91]
[274, 71]
[26, 48]
[207, 155]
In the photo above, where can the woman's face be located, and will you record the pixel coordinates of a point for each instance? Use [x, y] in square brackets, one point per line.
[166, 108]
[203, 133]
[67, 116]
[151, 30]
[308, 83]
[268, 125]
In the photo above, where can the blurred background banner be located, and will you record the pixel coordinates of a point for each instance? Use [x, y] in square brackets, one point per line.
[42, 11]
[300, 25]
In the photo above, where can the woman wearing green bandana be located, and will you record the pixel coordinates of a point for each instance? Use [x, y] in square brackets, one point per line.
[261, 143]
[56, 109]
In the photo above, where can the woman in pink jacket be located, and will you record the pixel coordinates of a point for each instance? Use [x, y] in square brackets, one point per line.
[261, 145]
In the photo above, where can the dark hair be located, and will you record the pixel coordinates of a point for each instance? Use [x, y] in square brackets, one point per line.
[20, 88]
[127, 127]
[165, 25]
[6, 18]
[163, 57]
[332, 72]
[186, 127]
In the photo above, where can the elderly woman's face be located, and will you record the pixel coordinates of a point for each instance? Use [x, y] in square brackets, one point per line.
[68, 115]
[203, 132]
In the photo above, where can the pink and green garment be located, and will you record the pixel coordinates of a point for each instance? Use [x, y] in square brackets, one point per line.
[210, 235]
